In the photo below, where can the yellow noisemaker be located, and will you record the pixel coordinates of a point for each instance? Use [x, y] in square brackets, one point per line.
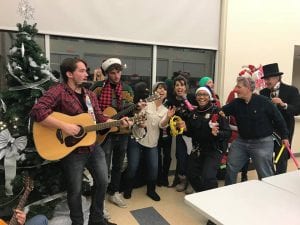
[173, 126]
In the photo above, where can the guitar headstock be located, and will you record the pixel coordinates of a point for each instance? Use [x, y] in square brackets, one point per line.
[28, 183]
[153, 97]
[140, 118]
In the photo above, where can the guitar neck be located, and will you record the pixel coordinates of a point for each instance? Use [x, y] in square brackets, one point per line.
[131, 108]
[22, 201]
[102, 126]
[124, 112]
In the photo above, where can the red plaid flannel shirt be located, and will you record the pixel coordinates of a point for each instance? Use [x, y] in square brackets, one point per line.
[61, 98]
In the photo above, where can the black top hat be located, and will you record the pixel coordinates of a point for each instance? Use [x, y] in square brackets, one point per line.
[271, 70]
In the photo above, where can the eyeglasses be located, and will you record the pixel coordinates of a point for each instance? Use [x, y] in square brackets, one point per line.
[202, 95]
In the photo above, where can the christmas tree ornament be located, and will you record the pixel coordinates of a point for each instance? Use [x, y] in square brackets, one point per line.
[9, 150]
[22, 50]
[32, 63]
[18, 68]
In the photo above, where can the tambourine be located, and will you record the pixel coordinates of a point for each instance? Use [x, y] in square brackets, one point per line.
[173, 126]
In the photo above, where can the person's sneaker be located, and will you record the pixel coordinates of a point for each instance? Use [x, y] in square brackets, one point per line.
[117, 200]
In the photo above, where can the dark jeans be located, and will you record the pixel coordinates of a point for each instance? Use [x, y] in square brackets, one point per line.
[202, 170]
[134, 155]
[115, 148]
[73, 166]
[164, 157]
[181, 156]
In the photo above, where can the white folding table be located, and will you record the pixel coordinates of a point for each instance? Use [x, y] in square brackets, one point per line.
[253, 202]
[289, 181]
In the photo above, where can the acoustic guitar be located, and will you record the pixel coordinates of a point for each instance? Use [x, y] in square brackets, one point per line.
[113, 114]
[28, 186]
[53, 144]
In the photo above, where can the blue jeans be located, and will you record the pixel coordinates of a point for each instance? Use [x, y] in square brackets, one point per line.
[73, 166]
[259, 150]
[37, 220]
[115, 148]
[134, 155]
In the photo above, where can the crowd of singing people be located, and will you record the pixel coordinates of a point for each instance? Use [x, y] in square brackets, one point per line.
[192, 123]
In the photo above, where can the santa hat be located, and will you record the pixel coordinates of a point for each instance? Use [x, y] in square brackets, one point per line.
[206, 90]
[108, 62]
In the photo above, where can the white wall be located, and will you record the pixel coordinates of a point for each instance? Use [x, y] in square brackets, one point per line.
[259, 32]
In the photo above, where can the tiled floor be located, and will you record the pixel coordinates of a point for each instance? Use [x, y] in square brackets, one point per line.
[171, 206]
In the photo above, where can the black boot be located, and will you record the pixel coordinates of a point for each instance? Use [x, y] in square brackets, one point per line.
[151, 191]
[128, 188]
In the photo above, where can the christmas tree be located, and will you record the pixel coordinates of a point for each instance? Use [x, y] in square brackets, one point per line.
[28, 76]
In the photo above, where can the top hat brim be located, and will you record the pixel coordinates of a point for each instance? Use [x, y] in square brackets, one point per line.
[272, 75]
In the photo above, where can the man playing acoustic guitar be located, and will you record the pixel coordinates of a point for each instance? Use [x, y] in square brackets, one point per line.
[72, 99]
[114, 93]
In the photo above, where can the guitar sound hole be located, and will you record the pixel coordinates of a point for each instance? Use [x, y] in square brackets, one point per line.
[73, 140]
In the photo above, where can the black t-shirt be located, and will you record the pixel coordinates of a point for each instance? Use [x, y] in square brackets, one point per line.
[82, 101]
